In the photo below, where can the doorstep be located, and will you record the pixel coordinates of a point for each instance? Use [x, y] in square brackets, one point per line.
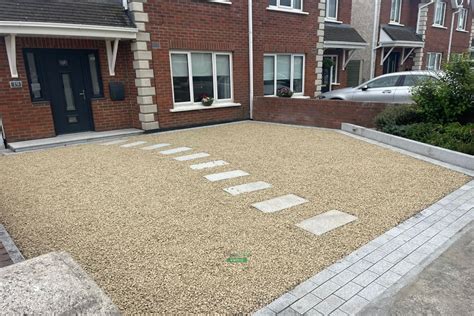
[71, 139]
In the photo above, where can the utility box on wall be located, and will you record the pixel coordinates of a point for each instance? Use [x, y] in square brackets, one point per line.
[117, 91]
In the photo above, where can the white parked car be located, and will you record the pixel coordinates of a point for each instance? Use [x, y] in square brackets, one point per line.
[390, 88]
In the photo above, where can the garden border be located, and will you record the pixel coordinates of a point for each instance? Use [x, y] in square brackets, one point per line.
[445, 155]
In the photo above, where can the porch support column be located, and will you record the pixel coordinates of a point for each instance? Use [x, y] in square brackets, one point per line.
[320, 47]
[144, 76]
[10, 45]
[112, 55]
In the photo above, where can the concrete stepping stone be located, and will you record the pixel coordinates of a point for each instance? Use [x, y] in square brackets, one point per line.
[226, 175]
[279, 203]
[248, 187]
[326, 222]
[153, 147]
[175, 150]
[209, 165]
[115, 142]
[192, 157]
[134, 144]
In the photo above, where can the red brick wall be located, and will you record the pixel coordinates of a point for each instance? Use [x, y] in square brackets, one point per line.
[201, 26]
[345, 11]
[282, 32]
[313, 112]
[25, 120]
[437, 39]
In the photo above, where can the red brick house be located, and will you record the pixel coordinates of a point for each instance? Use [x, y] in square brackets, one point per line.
[411, 35]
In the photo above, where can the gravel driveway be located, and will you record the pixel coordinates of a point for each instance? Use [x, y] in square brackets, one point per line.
[156, 235]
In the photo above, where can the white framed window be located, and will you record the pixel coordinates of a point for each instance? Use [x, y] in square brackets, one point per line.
[220, 1]
[331, 9]
[283, 70]
[287, 4]
[440, 14]
[334, 70]
[396, 11]
[198, 74]
[434, 61]
[462, 19]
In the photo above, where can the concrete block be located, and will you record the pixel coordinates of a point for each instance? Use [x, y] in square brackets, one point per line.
[282, 302]
[305, 303]
[209, 165]
[146, 126]
[144, 73]
[326, 289]
[52, 284]
[330, 304]
[142, 55]
[152, 108]
[175, 150]
[192, 157]
[248, 187]
[134, 144]
[445, 155]
[354, 305]
[148, 117]
[279, 203]
[135, 6]
[226, 175]
[143, 36]
[365, 278]
[348, 290]
[372, 291]
[140, 16]
[153, 147]
[139, 46]
[140, 26]
[141, 100]
[149, 91]
[141, 64]
[143, 83]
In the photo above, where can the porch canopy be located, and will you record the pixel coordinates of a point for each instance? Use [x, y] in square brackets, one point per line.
[91, 19]
[345, 37]
[395, 36]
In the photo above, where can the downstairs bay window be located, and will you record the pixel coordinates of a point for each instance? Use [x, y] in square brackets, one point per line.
[283, 70]
[199, 74]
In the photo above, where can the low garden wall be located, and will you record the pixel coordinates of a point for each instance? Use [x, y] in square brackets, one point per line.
[315, 112]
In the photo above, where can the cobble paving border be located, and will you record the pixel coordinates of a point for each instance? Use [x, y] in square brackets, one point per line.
[9, 245]
[353, 282]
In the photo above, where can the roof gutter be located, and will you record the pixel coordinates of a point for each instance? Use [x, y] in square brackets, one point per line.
[66, 30]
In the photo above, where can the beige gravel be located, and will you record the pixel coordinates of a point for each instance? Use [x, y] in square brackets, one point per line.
[155, 234]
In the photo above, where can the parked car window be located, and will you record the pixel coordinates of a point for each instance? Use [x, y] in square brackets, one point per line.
[413, 80]
[390, 81]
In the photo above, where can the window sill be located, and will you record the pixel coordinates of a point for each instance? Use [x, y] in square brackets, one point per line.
[219, 2]
[287, 10]
[462, 31]
[186, 108]
[395, 23]
[329, 20]
[293, 97]
[439, 26]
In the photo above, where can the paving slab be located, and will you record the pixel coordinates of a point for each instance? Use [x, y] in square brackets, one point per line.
[226, 175]
[156, 146]
[192, 157]
[248, 187]
[175, 150]
[209, 165]
[115, 142]
[134, 144]
[326, 222]
[280, 203]
[52, 284]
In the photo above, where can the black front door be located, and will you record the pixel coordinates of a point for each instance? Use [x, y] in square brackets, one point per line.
[391, 64]
[69, 99]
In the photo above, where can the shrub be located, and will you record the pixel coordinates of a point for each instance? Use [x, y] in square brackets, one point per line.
[452, 136]
[397, 115]
[449, 98]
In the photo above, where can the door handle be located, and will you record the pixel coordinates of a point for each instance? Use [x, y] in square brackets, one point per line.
[83, 94]
[387, 91]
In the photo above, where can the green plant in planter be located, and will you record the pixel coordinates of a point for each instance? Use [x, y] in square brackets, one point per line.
[207, 101]
[284, 92]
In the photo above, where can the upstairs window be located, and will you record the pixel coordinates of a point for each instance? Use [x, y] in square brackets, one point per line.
[440, 13]
[331, 9]
[287, 4]
[462, 20]
[395, 11]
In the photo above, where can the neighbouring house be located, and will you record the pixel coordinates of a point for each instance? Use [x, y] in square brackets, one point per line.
[411, 35]
[341, 41]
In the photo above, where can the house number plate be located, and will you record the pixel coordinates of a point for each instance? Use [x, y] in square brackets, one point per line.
[16, 84]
